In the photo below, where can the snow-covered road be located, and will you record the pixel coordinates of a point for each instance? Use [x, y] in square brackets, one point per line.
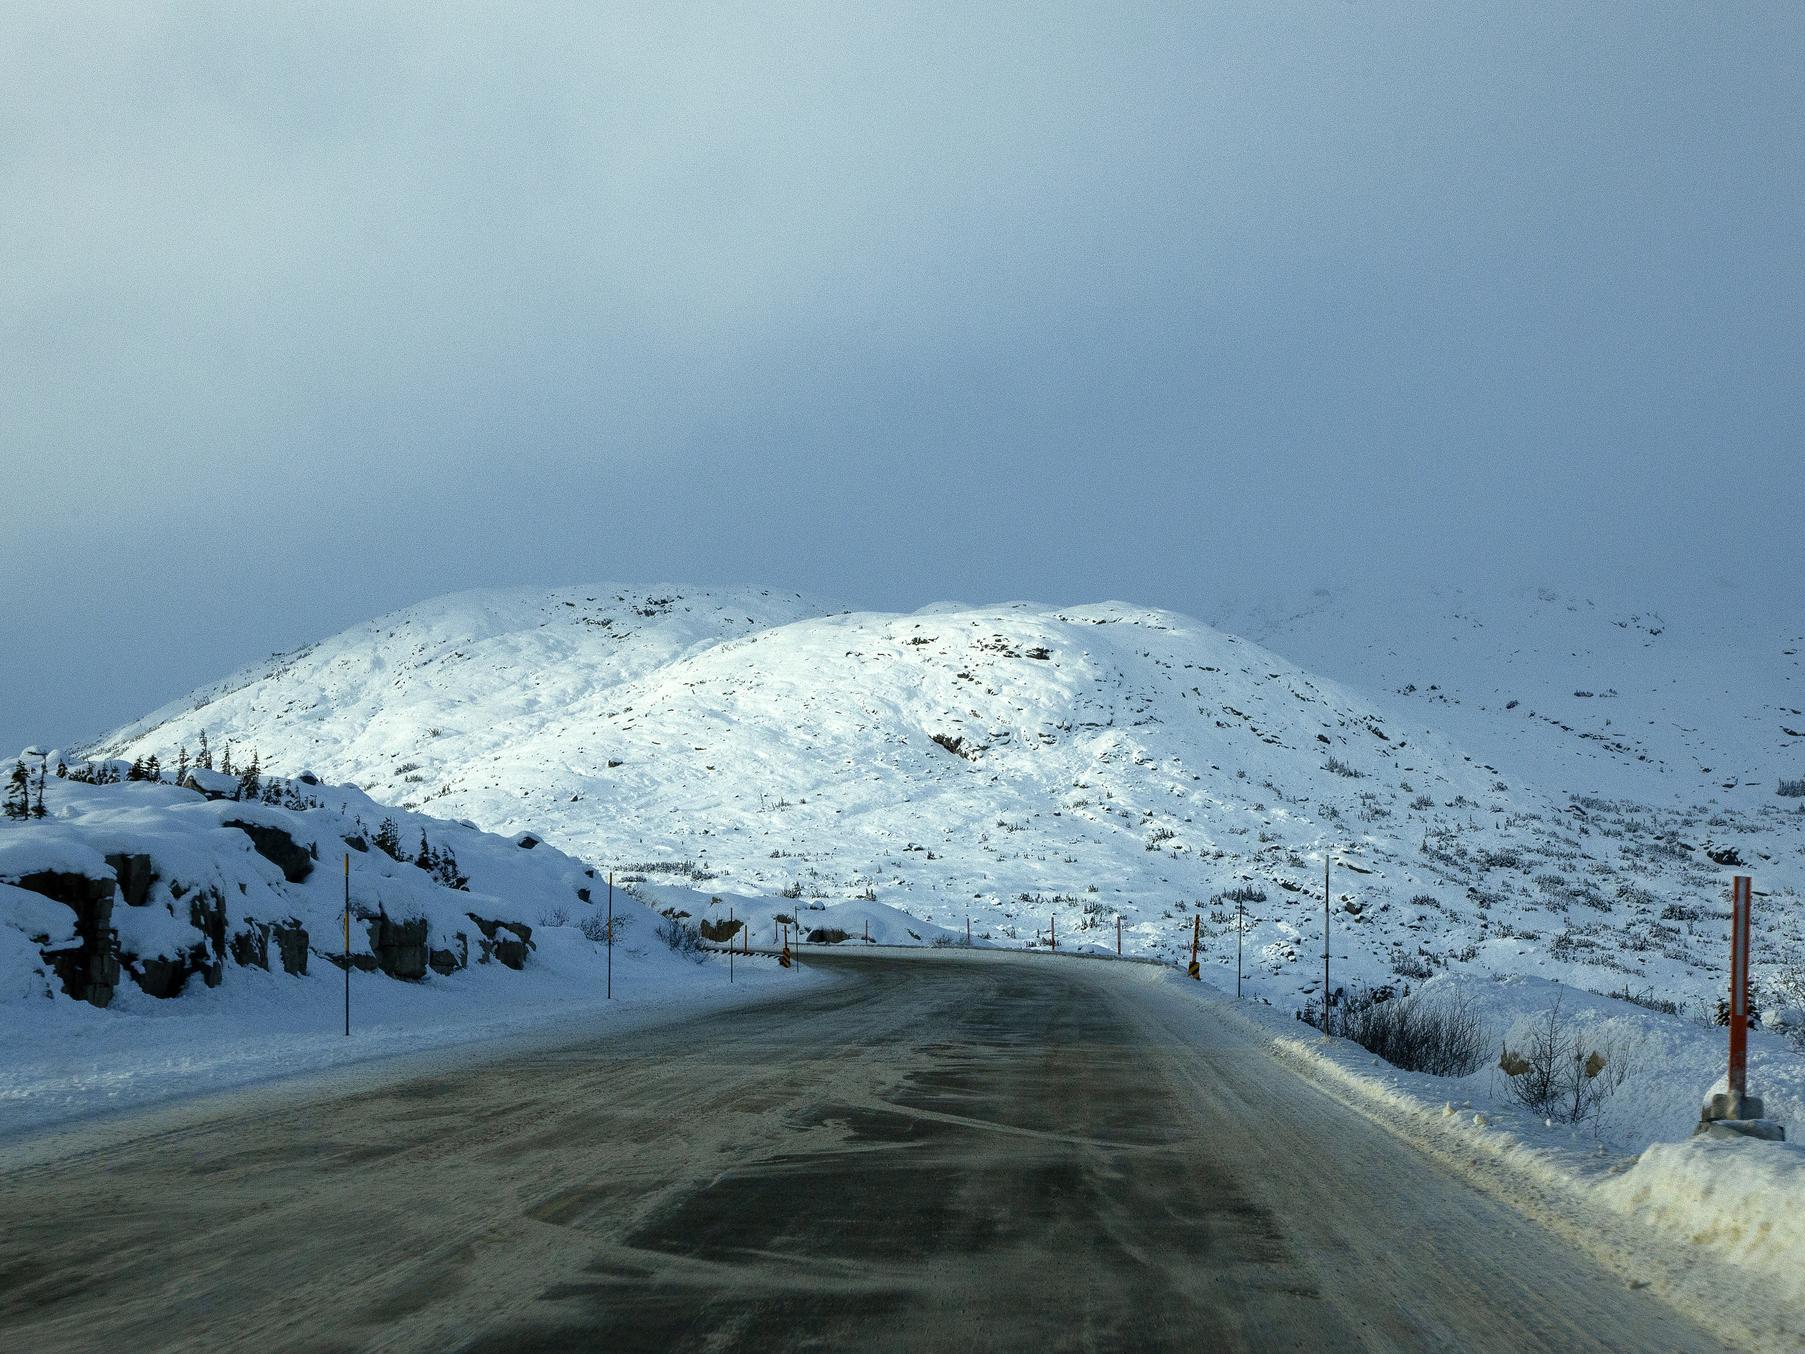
[946, 1150]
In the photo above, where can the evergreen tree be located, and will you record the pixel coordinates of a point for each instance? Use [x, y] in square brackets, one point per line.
[445, 870]
[136, 770]
[181, 764]
[153, 769]
[204, 758]
[425, 859]
[225, 761]
[388, 839]
[250, 783]
[37, 809]
[62, 768]
[18, 792]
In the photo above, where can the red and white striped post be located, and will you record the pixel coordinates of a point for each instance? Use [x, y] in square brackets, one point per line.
[1741, 906]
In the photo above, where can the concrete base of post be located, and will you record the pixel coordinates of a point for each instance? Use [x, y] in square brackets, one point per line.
[1729, 1114]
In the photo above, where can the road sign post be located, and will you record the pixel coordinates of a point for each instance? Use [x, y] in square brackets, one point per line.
[611, 935]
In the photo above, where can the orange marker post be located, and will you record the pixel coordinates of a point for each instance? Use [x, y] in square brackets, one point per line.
[1192, 970]
[1741, 905]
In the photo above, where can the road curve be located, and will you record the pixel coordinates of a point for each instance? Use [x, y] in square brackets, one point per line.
[940, 1152]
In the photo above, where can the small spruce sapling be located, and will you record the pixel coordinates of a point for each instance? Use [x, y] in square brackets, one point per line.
[18, 792]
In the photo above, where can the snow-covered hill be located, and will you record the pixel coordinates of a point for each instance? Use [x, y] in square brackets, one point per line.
[1688, 705]
[1034, 768]
[125, 889]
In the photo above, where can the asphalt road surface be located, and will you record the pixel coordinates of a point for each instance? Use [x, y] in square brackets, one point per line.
[937, 1153]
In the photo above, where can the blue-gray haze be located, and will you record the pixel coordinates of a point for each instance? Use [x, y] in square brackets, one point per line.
[310, 311]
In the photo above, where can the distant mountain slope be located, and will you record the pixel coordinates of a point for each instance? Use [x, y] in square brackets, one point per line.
[1030, 767]
[471, 667]
[1692, 706]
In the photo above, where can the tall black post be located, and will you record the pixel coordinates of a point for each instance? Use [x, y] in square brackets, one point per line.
[347, 944]
[1325, 941]
[611, 935]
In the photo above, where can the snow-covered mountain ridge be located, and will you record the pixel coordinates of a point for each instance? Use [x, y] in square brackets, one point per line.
[1679, 705]
[1032, 767]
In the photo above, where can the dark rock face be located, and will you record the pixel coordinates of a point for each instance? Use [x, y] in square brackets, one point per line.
[509, 950]
[207, 914]
[165, 976]
[291, 945]
[447, 962]
[135, 877]
[278, 848]
[399, 946]
[88, 970]
[249, 948]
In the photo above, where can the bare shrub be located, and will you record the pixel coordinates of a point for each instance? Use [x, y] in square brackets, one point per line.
[1563, 1072]
[595, 927]
[682, 938]
[1441, 1035]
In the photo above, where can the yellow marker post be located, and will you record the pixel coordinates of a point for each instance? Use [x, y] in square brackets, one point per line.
[347, 944]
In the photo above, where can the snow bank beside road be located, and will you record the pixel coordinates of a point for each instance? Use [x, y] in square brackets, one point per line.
[1744, 1200]
[75, 1062]
[1717, 1227]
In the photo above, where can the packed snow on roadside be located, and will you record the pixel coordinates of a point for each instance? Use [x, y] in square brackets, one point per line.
[1741, 1201]
[155, 942]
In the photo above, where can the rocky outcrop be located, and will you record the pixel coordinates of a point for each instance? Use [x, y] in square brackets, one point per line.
[136, 876]
[89, 969]
[278, 848]
[291, 945]
[166, 975]
[448, 961]
[399, 946]
[250, 947]
[508, 950]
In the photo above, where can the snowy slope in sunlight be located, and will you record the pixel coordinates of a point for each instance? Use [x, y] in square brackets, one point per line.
[1684, 706]
[477, 668]
[1031, 767]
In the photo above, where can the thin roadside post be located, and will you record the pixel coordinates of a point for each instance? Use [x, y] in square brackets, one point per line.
[1240, 931]
[347, 944]
[1325, 942]
[731, 928]
[611, 935]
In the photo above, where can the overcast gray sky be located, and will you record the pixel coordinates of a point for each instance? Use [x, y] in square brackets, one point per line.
[309, 312]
